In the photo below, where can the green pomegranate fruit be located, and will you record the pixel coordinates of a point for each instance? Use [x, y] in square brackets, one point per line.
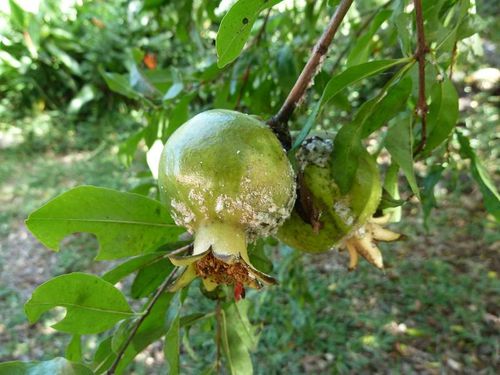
[228, 181]
[324, 218]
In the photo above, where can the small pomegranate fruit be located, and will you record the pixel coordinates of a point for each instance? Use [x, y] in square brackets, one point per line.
[228, 181]
[323, 218]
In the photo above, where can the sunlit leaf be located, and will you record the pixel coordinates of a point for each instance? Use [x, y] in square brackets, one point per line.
[235, 28]
[56, 366]
[85, 95]
[92, 304]
[17, 15]
[125, 224]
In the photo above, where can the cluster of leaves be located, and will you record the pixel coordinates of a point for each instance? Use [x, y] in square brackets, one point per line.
[169, 86]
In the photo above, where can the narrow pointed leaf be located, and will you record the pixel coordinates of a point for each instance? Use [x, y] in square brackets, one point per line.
[443, 113]
[238, 338]
[74, 349]
[92, 304]
[125, 224]
[399, 143]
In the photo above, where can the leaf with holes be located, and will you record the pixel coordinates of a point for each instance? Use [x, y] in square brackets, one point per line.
[92, 304]
[125, 224]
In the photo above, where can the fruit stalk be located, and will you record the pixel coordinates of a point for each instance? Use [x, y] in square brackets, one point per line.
[279, 122]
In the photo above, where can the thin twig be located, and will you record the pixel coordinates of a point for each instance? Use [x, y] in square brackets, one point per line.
[136, 326]
[279, 123]
[421, 51]
[246, 74]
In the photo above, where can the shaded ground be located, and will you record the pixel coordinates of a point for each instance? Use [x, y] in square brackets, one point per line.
[434, 310]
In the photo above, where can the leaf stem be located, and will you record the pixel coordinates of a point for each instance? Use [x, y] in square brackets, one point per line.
[279, 122]
[421, 51]
[161, 289]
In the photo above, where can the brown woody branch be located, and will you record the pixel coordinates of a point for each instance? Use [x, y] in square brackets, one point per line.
[421, 51]
[279, 123]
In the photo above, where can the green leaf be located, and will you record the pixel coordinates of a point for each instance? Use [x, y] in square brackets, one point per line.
[85, 95]
[235, 28]
[128, 148]
[443, 113]
[340, 82]
[125, 224]
[286, 68]
[139, 82]
[17, 15]
[172, 337]
[347, 144]
[391, 185]
[56, 366]
[130, 266]
[238, 338]
[360, 52]
[399, 143]
[74, 349]
[104, 356]
[355, 74]
[391, 104]
[179, 115]
[479, 173]
[64, 58]
[151, 330]
[92, 304]
[403, 23]
[388, 201]
[258, 257]
[150, 277]
[428, 198]
[119, 83]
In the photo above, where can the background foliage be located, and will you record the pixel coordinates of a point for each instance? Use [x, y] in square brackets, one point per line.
[88, 87]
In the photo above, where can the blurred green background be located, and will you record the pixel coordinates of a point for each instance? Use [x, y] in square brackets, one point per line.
[75, 109]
